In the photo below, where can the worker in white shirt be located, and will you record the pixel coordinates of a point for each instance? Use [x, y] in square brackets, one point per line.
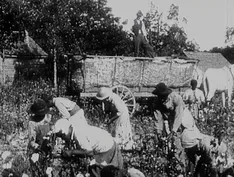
[194, 98]
[67, 108]
[91, 141]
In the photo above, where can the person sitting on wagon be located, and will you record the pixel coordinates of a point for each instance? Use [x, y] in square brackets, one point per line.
[119, 123]
[39, 127]
[195, 98]
[91, 142]
[67, 108]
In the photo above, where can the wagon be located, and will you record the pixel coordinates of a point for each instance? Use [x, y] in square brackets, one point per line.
[130, 77]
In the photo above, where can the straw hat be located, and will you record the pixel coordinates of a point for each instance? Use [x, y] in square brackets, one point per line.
[39, 109]
[103, 93]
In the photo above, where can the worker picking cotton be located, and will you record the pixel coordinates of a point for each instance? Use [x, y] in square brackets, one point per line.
[119, 122]
[204, 151]
[67, 108]
[89, 141]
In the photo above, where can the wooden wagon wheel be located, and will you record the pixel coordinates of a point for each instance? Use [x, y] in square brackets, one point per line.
[127, 96]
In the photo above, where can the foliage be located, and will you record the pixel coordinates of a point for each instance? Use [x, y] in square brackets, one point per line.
[69, 26]
[15, 102]
[10, 23]
[168, 39]
[72, 27]
[227, 52]
[149, 156]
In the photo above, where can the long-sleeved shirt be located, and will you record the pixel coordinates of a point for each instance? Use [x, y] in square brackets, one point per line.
[91, 138]
[173, 107]
[37, 130]
[64, 106]
[193, 96]
[139, 27]
[119, 107]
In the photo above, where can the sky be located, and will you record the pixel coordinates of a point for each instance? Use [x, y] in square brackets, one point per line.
[207, 19]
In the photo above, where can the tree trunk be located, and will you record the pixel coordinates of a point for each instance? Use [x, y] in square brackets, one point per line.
[55, 71]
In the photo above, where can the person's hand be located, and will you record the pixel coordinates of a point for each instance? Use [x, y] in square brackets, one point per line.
[171, 135]
[34, 145]
[106, 122]
[67, 154]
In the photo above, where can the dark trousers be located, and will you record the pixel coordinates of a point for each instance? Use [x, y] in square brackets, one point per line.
[140, 41]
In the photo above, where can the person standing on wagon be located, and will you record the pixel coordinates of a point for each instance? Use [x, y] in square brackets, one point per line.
[119, 123]
[67, 108]
[140, 37]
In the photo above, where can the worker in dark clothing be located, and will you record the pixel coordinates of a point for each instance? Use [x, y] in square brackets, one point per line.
[141, 37]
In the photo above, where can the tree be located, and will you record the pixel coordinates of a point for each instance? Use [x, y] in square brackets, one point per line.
[68, 26]
[227, 52]
[168, 39]
[10, 25]
[230, 36]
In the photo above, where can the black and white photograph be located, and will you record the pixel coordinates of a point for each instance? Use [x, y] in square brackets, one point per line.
[116, 88]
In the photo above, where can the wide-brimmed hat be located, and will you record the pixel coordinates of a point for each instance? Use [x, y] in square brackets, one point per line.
[161, 90]
[39, 108]
[103, 93]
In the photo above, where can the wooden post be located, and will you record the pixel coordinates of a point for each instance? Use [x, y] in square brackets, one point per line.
[3, 67]
[55, 71]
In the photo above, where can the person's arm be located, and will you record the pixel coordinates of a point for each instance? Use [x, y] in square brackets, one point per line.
[202, 97]
[62, 109]
[134, 28]
[32, 135]
[120, 106]
[179, 111]
[143, 29]
[76, 152]
[113, 119]
[185, 96]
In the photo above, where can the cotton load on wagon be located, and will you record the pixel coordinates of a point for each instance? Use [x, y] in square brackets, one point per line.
[139, 74]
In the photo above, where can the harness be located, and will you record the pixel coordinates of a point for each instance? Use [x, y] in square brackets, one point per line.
[229, 68]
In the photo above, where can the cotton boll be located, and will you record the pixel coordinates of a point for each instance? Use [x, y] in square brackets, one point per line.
[49, 171]
[79, 175]
[35, 157]
[6, 154]
[25, 175]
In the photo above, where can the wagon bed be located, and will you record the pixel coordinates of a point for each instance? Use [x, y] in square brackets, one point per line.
[139, 74]
[131, 77]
